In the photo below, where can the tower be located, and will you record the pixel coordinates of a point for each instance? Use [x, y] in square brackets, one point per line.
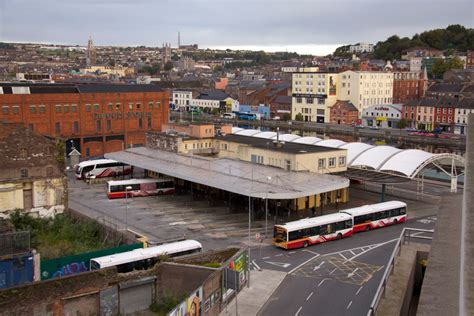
[179, 40]
[166, 53]
[90, 53]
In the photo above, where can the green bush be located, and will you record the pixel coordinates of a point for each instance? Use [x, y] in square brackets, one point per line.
[166, 305]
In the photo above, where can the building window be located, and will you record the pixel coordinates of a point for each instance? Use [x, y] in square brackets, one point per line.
[321, 101]
[299, 100]
[158, 104]
[117, 107]
[32, 108]
[321, 163]
[140, 123]
[23, 153]
[5, 109]
[16, 109]
[342, 161]
[49, 171]
[88, 107]
[139, 105]
[88, 152]
[57, 127]
[75, 127]
[109, 125]
[309, 100]
[332, 162]
[150, 105]
[24, 173]
[58, 108]
[31, 127]
[130, 106]
[98, 125]
[74, 108]
[111, 106]
[149, 123]
[96, 107]
[66, 108]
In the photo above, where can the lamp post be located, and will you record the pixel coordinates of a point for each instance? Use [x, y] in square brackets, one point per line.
[266, 207]
[127, 188]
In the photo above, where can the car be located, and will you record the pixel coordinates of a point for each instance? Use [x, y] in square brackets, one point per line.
[359, 126]
[276, 118]
[374, 127]
[410, 129]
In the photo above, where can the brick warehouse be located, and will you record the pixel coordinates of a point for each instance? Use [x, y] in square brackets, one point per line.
[97, 118]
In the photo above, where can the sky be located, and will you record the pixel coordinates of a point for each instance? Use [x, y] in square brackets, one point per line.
[305, 26]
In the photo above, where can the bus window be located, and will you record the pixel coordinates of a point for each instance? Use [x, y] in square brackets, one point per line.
[403, 211]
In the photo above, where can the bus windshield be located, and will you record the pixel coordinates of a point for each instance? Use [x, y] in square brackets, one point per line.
[279, 234]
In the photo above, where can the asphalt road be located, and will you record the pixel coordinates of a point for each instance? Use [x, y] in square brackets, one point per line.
[334, 278]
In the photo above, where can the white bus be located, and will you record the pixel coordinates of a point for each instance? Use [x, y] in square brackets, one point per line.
[383, 214]
[101, 168]
[311, 231]
[144, 258]
[139, 187]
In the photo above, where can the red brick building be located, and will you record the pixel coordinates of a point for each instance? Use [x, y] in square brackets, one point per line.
[408, 86]
[96, 118]
[343, 112]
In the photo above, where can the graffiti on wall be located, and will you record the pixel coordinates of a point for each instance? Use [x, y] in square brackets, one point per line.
[191, 306]
[68, 269]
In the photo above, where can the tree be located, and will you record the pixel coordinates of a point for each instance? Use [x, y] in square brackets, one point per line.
[168, 66]
[441, 66]
[402, 124]
[299, 117]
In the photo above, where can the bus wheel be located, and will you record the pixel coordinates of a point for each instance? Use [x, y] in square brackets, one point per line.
[160, 192]
[305, 245]
[367, 228]
[395, 221]
[339, 236]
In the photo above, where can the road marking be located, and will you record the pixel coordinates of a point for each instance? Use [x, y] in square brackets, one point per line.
[279, 255]
[349, 305]
[296, 268]
[333, 271]
[299, 310]
[314, 253]
[352, 252]
[264, 258]
[318, 266]
[342, 256]
[370, 248]
[279, 264]
[350, 275]
[321, 283]
[309, 296]
[256, 265]
[359, 290]
[292, 252]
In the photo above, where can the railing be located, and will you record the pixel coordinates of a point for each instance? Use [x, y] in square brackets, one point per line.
[406, 234]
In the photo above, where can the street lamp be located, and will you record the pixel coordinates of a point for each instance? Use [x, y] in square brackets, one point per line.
[266, 207]
[127, 188]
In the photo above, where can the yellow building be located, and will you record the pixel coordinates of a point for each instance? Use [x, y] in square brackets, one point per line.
[109, 70]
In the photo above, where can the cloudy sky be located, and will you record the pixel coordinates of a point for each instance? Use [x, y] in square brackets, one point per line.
[306, 26]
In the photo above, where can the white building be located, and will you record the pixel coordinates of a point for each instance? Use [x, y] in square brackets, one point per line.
[182, 98]
[415, 64]
[361, 48]
[383, 115]
[461, 115]
[365, 88]
[313, 93]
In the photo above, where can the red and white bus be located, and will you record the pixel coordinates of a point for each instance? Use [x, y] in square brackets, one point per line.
[383, 214]
[311, 231]
[139, 187]
[101, 168]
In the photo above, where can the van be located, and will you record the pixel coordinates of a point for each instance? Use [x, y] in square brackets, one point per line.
[228, 115]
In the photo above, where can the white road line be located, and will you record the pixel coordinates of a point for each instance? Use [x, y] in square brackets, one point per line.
[299, 310]
[279, 255]
[333, 271]
[373, 247]
[349, 305]
[342, 256]
[314, 253]
[358, 291]
[264, 258]
[256, 265]
[297, 267]
[321, 283]
[309, 296]
[352, 252]
[292, 252]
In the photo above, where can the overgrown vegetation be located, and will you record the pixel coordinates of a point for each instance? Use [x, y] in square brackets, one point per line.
[442, 65]
[61, 235]
[166, 305]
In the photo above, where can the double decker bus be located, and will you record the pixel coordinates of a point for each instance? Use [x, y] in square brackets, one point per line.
[311, 231]
[101, 168]
[377, 215]
[144, 258]
[139, 187]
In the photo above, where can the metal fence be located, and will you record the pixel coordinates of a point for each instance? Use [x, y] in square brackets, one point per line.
[13, 243]
[406, 235]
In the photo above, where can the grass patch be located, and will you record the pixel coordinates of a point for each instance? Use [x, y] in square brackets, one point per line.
[62, 235]
[166, 305]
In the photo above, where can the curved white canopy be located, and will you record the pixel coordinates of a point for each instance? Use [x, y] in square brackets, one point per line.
[354, 150]
[333, 143]
[374, 157]
[287, 137]
[406, 161]
[248, 132]
[266, 135]
[308, 140]
[236, 129]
